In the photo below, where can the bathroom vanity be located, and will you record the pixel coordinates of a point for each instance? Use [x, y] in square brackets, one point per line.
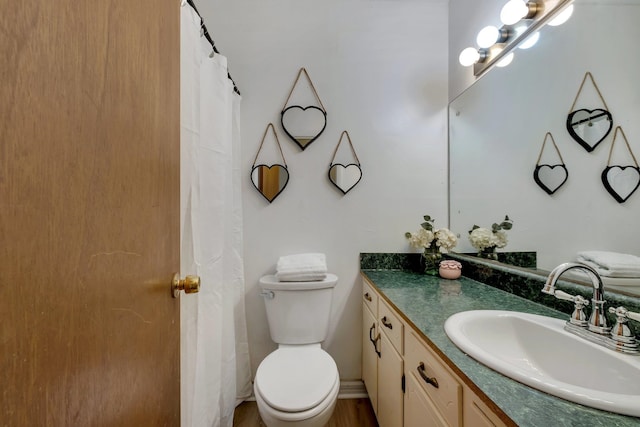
[415, 376]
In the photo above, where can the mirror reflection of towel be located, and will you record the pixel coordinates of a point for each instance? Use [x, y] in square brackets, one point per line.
[611, 264]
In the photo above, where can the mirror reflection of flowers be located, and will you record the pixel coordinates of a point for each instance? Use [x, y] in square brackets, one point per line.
[433, 242]
[486, 241]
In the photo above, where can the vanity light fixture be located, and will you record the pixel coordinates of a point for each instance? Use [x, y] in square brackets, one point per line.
[471, 55]
[516, 10]
[522, 19]
[491, 35]
[506, 60]
[562, 17]
[530, 41]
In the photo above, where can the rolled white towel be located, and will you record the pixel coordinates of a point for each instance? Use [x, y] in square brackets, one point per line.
[302, 263]
[611, 264]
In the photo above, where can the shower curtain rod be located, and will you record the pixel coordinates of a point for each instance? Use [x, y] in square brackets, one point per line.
[205, 33]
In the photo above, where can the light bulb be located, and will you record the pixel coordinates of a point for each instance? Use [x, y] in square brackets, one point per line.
[505, 60]
[530, 41]
[562, 17]
[488, 36]
[469, 56]
[513, 11]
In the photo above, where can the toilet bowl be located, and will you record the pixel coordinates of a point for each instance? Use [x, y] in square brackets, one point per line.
[297, 386]
[298, 383]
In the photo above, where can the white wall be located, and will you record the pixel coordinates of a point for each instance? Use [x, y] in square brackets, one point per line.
[380, 68]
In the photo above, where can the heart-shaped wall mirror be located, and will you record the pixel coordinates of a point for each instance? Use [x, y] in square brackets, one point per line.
[550, 177]
[302, 121]
[589, 127]
[621, 181]
[345, 177]
[270, 179]
[303, 124]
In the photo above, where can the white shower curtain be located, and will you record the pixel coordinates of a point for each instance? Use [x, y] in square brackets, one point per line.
[215, 366]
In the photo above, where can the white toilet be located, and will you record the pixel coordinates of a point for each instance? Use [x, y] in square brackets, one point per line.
[297, 384]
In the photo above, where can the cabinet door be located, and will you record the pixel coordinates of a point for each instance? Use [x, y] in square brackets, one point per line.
[419, 411]
[390, 395]
[370, 344]
[476, 413]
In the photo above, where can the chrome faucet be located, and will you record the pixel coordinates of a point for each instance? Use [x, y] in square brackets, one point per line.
[595, 329]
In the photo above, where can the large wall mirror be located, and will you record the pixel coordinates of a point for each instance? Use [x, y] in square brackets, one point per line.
[498, 125]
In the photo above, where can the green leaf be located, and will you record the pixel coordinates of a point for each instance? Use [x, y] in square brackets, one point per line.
[427, 226]
[407, 235]
[427, 218]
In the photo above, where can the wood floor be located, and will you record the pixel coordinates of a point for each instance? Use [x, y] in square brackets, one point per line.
[348, 413]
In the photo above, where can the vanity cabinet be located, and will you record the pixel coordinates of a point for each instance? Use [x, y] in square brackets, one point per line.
[370, 346]
[382, 362]
[407, 381]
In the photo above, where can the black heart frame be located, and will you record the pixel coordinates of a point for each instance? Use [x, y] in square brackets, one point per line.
[271, 197]
[345, 167]
[586, 145]
[541, 184]
[284, 111]
[611, 190]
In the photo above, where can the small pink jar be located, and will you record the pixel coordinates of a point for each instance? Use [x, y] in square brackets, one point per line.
[450, 269]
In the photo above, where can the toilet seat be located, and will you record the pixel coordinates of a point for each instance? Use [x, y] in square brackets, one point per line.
[295, 379]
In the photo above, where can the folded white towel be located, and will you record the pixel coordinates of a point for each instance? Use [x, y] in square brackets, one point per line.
[302, 263]
[300, 277]
[611, 264]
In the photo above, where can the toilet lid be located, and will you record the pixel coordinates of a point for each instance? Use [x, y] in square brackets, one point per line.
[296, 379]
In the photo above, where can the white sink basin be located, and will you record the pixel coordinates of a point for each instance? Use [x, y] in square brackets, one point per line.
[537, 351]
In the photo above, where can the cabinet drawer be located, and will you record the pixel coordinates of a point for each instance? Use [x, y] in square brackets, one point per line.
[389, 323]
[370, 297]
[422, 363]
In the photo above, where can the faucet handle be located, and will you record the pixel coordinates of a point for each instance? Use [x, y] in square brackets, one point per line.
[621, 331]
[622, 314]
[577, 299]
[578, 317]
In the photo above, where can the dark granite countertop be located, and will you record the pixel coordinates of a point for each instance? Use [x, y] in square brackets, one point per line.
[427, 301]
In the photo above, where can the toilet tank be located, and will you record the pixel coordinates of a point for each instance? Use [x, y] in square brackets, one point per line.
[298, 312]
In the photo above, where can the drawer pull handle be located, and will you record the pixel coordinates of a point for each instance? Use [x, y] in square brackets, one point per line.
[374, 341]
[433, 381]
[368, 297]
[386, 323]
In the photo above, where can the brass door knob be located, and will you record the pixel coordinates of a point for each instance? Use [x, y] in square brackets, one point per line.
[190, 285]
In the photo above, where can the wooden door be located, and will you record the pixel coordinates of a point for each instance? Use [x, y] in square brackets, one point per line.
[89, 213]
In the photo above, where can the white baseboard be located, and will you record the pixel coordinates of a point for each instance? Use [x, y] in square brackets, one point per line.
[352, 390]
[348, 390]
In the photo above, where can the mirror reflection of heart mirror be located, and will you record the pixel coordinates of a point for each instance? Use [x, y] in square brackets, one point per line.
[345, 177]
[303, 124]
[270, 180]
[621, 181]
[550, 178]
[589, 127]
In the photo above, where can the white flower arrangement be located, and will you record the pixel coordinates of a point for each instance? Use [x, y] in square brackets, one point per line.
[484, 239]
[428, 239]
